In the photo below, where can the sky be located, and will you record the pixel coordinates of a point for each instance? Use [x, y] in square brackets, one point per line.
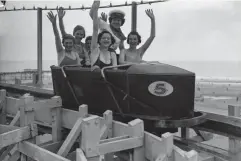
[186, 30]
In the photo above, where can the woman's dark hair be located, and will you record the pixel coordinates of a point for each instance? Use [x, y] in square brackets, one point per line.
[88, 38]
[104, 32]
[134, 33]
[77, 28]
[67, 36]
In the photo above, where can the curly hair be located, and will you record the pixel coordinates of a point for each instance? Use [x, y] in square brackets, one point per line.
[67, 36]
[134, 33]
[104, 32]
[88, 38]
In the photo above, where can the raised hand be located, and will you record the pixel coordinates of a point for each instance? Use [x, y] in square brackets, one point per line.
[150, 14]
[61, 12]
[103, 17]
[52, 17]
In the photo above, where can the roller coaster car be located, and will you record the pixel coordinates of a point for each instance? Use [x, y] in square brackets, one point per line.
[160, 94]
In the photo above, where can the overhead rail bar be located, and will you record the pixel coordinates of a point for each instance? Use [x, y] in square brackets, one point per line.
[82, 7]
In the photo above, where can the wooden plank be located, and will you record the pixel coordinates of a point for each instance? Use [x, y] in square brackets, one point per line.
[119, 145]
[80, 155]
[56, 119]
[108, 133]
[52, 146]
[7, 128]
[181, 155]
[114, 139]
[71, 138]
[13, 105]
[15, 136]
[26, 117]
[3, 106]
[16, 119]
[13, 154]
[90, 136]
[155, 146]
[5, 154]
[137, 130]
[38, 153]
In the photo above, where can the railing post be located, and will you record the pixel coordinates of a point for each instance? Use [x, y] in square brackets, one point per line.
[134, 16]
[234, 145]
[39, 37]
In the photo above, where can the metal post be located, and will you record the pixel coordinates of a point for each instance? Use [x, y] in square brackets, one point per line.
[134, 16]
[39, 40]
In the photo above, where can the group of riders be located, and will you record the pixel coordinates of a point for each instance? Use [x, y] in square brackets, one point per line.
[99, 50]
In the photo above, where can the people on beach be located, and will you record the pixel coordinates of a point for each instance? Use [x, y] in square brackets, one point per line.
[116, 20]
[100, 55]
[78, 33]
[66, 55]
[134, 54]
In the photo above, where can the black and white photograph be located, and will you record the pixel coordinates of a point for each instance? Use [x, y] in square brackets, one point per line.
[120, 80]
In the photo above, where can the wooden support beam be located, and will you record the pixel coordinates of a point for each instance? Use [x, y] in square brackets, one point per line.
[5, 154]
[156, 146]
[118, 138]
[52, 146]
[119, 145]
[15, 136]
[180, 155]
[71, 138]
[38, 153]
[137, 130]
[7, 128]
[234, 145]
[26, 117]
[13, 154]
[2, 106]
[16, 119]
[108, 120]
[80, 155]
[90, 136]
[56, 119]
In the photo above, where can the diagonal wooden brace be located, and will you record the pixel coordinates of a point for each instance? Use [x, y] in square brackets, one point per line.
[17, 135]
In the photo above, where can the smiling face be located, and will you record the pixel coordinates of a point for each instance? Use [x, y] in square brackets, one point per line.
[116, 22]
[133, 40]
[68, 44]
[79, 34]
[105, 40]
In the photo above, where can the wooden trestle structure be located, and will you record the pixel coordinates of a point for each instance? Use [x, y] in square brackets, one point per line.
[89, 137]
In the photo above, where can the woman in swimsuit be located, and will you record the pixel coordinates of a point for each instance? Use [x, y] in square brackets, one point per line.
[116, 21]
[100, 55]
[66, 55]
[134, 55]
[78, 33]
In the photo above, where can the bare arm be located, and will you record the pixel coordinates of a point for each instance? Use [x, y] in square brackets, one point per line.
[61, 14]
[114, 59]
[52, 19]
[95, 7]
[148, 42]
[122, 57]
